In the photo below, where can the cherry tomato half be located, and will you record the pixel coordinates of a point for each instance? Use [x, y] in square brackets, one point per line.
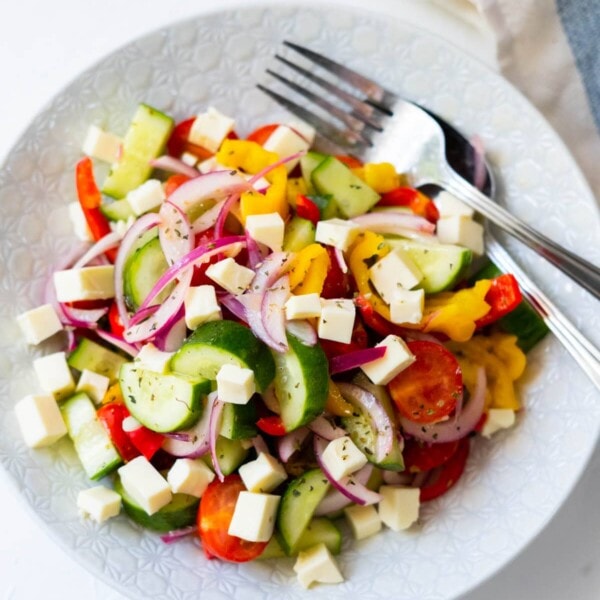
[420, 456]
[214, 517]
[262, 134]
[427, 390]
[114, 320]
[443, 478]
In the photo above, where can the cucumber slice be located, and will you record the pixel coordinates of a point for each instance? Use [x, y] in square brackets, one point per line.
[143, 269]
[117, 210]
[180, 512]
[442, 265]
[145, 139]
[218, 343]
[308, 163]
[94, 357]
[352, 195]
[238, 421]
[297, 507]
[299, 233]
[91, 441]
[301, 382]
[162, 402]
[230, 455]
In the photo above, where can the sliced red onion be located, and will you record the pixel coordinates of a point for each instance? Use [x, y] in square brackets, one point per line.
[409, 226]
[71, 339]
[170, 339]
[326, 429]
[348, 486]
[180, 436]
[255, 255]
[214, 185]
[223, 214]
[334, 501]
[381, 423]
[143, 314]
[341, 261]
[302, 330]
[84, 318]
[208, 218]
[174, 165]
[118, 342]
[269, 271]
[270, 399]
[453, 428]
[273, 312]
[420, 478]
[234, 306]
[291, 442]
[110, 240]
[177, 534]
[352, 360]
[252, 304]
[272, 166]
[260, 445]
[397, 478]
[213, 433]
[174, 232]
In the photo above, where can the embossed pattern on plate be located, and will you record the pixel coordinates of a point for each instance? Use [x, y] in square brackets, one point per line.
[512, 486]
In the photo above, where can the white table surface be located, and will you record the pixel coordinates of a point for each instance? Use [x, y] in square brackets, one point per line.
[43, 46]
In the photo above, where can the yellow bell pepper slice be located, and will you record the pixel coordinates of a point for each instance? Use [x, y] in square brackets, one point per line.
[295, 186]
[252, 158]
[308, 269]
[382, 177]
[335, 404]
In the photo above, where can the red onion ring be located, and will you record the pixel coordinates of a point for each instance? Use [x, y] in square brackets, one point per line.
[272, 166]
[177, 534]
[223, 214]
[143, 314]
[272, 312]
[118, 342]
[174, 165]
[410, 226]
[260, 445]
[291, 442]
[174, 232]
[170, 339]
[234, 306]
[341, 261]
[334, 501]
[352, 360]
[255, 256]
[324, 428]
[302, 330]
[83, 318]
[110, 240]
[208, 218]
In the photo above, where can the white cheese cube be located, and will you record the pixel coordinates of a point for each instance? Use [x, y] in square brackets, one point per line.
[449, 205]
[462, 231]
[317, 565]
[284, 141]
[399, 506]
[93, 384]
[266, 229]
[54, 374]
[145, 484]
[407, 306]
[230, 275]
[210, 129]
[146, 197]
[201, 306]
[305, 306]
[189, 159]
[189, 476]
[254, 516]
[86, 283]
[80, 226]
[235, 384]
[307, 131]
[130, 424]
[336, 232]
[122, 226]
[396, 358]
[263, 474]
[102, 145]
[38, 324]
[363, 520]
[40, 420]
[210, 164]
[336, 321]
[99, 503]
[497, 419]
[153, 359]
[342, 457]
[395, 270]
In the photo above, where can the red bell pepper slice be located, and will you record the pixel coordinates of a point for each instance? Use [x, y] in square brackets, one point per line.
[262, 134]
[271, 425]
[307, 209]
[503, 296]
[111, 416]
[418, 202]
[374, 320]
[174, 182]
[350, 161]
[114, 320]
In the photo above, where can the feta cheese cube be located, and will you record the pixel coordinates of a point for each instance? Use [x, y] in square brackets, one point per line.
[102, 145]
[93, 384]
[399, 506]
[229, 275]
[396, 358]
[254, 516]
[284, 141]
[208, 165]
[86, 283]
[395, 270]
[363, 520]
[235, 384]
[336, 232]
[40, 420]
[305, 306]
[54, 374]
[266, 229]
[130, 424]
[209, 129]
[189, 159]
[449, 205]
[146, 197]
[38, 324]
[201, 306]
[122, 226]
[263, 474]
[153, 359]
[99, 503]
[407, 306]
[81, 228]
[189, 476]
[342, 457]
[497, 419]
[307, 131]
[317, 565]
[145, 484]
[462, 231]
[337, 320]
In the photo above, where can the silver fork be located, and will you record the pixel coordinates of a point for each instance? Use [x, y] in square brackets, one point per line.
[372, 125]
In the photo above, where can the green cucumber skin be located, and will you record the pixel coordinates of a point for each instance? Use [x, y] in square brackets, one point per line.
[238, 421]
[216, 343]
[230, 455]
[308, 163]
[94, 357]
[299, 233]
[118, 210]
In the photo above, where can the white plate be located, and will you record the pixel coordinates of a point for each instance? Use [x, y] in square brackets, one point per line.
[512, 486]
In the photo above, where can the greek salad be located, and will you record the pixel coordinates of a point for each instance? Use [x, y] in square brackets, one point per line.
[262, 340]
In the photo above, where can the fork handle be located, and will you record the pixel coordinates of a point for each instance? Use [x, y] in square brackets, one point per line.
[584, 352]
[580, 270]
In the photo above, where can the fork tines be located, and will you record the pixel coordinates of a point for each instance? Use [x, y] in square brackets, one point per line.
[360, 115]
